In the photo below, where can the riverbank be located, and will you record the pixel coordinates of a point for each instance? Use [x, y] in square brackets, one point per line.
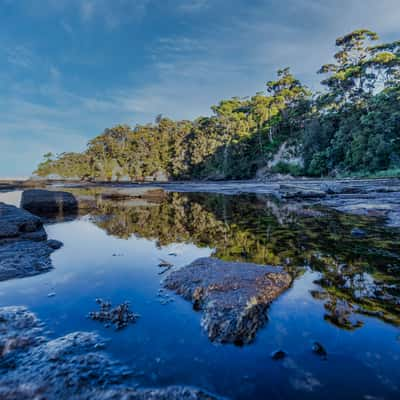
[369, 197]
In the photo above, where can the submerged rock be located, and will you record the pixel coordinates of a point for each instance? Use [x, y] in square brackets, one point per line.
[24, 250]
[234, 297]
[319, 350]
[70, 367]
[169, 393]
[47, 202]
[120, 316]
[278, 355]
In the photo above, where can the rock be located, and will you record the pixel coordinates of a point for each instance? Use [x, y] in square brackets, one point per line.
[358, 233]
[278, 355]
[17, 223]
[46, 202]
[120, 316]
[341, 314]
[70, 367]
[293, 192]
[169, 393]
[24, 250]
[233, 296]
[22, 258]
[318, 349]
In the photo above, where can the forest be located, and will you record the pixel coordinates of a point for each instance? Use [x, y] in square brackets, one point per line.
[351, 127]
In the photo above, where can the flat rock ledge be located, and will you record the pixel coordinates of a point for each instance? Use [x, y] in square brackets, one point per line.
[24, 248]
[234, 297]
[74, 366]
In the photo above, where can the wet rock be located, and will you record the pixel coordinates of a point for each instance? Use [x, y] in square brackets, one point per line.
[293, 192]
[234, 297]
[341, 314]
[47, 202]
[119, 316]
[70, 367]
[169, 393]
[24, 250]
[278, 355]
[318, 349]
[17, 223]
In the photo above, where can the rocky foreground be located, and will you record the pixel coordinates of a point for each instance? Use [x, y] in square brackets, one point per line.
[234, 297]
[70, 367]
[24, 248]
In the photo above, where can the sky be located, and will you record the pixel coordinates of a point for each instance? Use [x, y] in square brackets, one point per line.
[71, 68]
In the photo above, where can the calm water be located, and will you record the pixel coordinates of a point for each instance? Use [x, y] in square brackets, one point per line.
[113, 253]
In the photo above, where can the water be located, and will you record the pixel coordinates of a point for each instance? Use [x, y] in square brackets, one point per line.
[114, 251]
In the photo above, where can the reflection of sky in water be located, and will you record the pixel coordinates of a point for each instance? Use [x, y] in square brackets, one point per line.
[13, 198]
[167, 345]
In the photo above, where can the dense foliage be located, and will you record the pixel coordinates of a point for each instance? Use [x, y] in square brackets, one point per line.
[352, 126]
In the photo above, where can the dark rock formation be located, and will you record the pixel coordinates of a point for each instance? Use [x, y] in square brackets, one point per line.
[233, 296]
[24, 250]
[16, 223]
[47, 203]
[69, 367]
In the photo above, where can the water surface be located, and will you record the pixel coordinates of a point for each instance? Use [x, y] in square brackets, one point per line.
[113, 253]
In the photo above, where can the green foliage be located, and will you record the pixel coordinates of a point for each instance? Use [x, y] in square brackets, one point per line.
[353, 126]
[288, 169]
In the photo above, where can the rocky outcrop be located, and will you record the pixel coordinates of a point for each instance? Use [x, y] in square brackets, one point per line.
[24, 248]
[47, 202]
[16, 223]
[70, 367]
[234, 297]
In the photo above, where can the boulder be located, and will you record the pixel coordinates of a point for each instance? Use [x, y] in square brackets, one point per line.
[234, 297]
[17, 223]
[47, 202]
[24, 248]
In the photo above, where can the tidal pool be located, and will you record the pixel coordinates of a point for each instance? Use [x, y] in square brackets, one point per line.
[345, 294]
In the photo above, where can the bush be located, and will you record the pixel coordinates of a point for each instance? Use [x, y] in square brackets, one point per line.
[288, 169]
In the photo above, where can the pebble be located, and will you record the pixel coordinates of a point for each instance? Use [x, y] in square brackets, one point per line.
[318, 349]
[278, 355]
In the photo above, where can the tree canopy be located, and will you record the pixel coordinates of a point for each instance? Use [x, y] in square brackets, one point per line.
[353, 125]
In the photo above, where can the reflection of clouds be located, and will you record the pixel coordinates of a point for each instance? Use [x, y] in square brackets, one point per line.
[13, 198]
[376, 362]
[302, 379]
[63, 279]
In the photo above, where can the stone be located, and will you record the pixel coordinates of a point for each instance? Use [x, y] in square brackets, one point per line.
[24, 248]
[17, 223]
[318, 349]
[278, 355]
[47, 202]
[233, 297]
[73, 366]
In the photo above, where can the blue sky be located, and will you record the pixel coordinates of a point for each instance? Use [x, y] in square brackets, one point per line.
[70, 68]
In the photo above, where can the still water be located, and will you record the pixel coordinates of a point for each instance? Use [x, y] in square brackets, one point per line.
[113, 252]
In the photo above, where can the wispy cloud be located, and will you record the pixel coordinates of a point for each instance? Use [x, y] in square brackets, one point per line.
[18, 55]
[193, 5]
[174, 57]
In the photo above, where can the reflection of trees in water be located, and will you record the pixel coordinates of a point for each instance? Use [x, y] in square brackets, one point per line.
[357, 275]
